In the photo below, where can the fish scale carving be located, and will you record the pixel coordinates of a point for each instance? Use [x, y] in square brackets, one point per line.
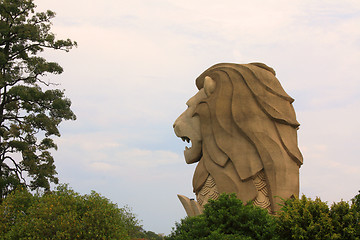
[210, 191]
[262, 200]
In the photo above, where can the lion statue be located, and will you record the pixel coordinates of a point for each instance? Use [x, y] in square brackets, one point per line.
[243, 133]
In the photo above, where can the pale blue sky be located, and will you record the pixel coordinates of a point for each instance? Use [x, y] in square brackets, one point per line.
[135, 68]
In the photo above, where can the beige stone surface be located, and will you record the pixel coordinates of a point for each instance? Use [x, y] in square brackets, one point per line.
[243, 133]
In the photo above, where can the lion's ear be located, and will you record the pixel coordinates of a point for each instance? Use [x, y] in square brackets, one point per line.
[209, 85]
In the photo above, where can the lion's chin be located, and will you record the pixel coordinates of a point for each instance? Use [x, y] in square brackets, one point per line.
[193, 154]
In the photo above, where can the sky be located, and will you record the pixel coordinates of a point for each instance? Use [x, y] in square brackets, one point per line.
[135, 67]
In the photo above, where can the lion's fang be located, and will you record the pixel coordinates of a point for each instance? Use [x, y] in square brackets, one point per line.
[185, 139]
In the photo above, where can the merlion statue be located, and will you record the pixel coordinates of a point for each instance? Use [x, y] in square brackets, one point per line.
[243, 132]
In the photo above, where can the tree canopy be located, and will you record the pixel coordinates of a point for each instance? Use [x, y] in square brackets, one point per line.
[30, 109]
[64, 214]
[227, 218]
[304, 218]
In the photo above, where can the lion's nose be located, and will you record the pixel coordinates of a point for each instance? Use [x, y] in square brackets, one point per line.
[176, 129]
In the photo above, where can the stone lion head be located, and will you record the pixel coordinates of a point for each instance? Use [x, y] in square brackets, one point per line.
[241, 123]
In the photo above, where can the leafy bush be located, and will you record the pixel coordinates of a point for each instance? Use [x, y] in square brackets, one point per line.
[304, 219]
[313, 219]
[227, 218]
[64, 214]
[345, 220]
[148, 235]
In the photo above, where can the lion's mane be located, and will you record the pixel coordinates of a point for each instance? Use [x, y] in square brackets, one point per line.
[248, 125]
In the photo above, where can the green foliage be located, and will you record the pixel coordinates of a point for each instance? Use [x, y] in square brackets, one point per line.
[345, 220]
[227, 218]
[190, 228]
[229, 215]
[356, 202]
[30, 111]
[149, 235]
[64, 214]
[313, 219]
[305, 219]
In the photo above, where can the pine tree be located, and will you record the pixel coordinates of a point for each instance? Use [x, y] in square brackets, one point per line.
[30, 110]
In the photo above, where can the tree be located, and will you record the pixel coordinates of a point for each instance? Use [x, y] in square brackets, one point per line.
[227, 218]
[64, 214]
[356, 203]
[30, 111]
[305, 218]
[345, 220]
[148, 235]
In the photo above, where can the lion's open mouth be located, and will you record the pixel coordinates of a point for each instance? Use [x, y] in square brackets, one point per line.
[186, 139]
[193, 152]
